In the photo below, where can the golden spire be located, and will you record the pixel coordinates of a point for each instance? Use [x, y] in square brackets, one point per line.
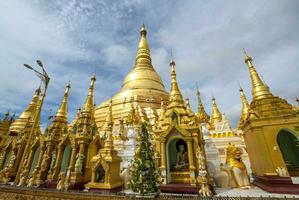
[259, 89]
[216, 115]
[175, 94]
[62, 111]
[245, 107]
[20, 123]
[142, 76]
[143, 58]
[108, 126]
[202, 115]
[89, 103]
[188, 107]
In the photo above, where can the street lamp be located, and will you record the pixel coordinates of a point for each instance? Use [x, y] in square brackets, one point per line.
[43, 75]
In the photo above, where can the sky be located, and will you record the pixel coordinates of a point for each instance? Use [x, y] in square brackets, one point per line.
[76, 38]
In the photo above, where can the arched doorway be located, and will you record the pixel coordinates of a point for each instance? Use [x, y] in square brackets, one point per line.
[177, 159]
[7, 154]
[66, 158]
[100, 174]
[35, 159]
[288, 144]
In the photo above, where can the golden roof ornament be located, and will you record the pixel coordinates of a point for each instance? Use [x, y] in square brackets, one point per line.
[203, 117]
[245, 107]
[188, 107]
[59, 125]
[62, 111]
[176, 97]
[216, 115]
[89, 103]
[259, 88]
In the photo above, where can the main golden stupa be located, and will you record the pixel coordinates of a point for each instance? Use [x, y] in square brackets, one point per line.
[142, 85]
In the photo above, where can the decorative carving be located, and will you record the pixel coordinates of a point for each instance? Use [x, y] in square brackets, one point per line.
[61, 181]
[79, 162]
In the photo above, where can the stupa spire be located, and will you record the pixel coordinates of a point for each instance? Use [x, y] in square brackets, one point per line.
[175, 93]
[259, 88]
[245, 107]
[216, 115]
[89, 103]
[62, 111]
[20, 123]
[203, 117]
[143, 57]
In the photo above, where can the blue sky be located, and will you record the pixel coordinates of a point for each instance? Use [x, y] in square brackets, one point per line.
[75, 38]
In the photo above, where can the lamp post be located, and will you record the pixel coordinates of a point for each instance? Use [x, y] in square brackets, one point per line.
[43, 75]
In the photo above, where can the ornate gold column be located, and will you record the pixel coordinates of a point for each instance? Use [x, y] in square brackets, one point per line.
[40, 158]
[163, 154]
[73, 159]
[57, 164]
[190, 154]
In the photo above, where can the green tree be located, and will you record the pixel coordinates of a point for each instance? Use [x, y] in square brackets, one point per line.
[145, 176]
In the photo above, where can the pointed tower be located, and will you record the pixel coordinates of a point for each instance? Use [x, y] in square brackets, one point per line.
[59, 124]
[142, 82]
[26, 116]
[259, 89]
[245, 108]
[203, 117]
[89, 102]
[271, 137]
[216, 115]
[175, 98]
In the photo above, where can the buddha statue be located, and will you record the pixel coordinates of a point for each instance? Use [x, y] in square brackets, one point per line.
[182, 163]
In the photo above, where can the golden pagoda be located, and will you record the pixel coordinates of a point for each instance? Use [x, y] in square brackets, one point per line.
[271, 137]
[142, 83]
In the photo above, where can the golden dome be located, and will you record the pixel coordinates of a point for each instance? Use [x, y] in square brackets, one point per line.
[142, 83]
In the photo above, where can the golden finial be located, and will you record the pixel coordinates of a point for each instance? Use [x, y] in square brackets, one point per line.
[216, 115]
[245, 107]
[247, 58]
[175, 93]
[62, 111]
[203, 117]
[89, 103]
[143, 58]
[143, 30]
[259, 89]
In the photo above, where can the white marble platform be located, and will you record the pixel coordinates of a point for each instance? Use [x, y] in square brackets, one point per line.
[252, 192]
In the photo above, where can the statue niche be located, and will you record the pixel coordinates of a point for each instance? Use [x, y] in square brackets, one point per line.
[100, 174]
[178, 156]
